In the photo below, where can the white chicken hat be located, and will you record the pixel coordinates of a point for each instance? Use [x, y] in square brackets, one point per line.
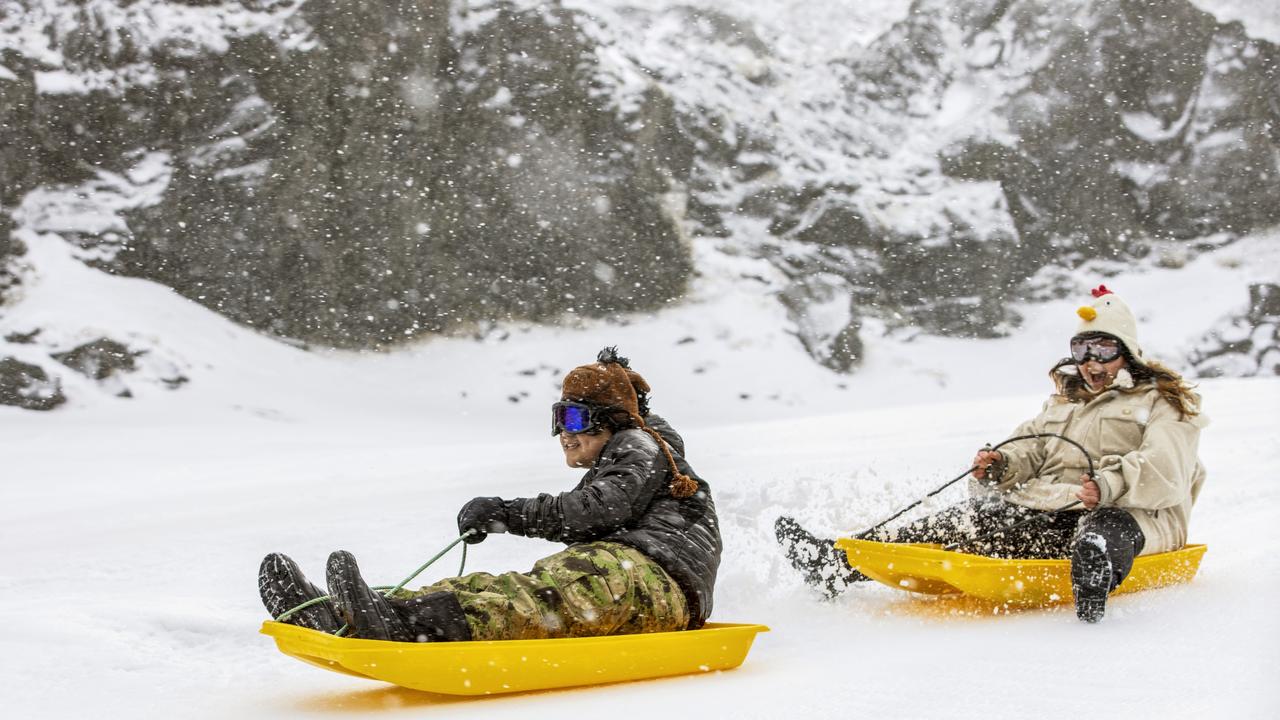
[1109, 314]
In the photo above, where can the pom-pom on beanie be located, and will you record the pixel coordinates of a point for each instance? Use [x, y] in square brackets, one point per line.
[611, 384]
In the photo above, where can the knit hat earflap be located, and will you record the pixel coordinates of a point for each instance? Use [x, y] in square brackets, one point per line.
[1110, 315]
[611, 384]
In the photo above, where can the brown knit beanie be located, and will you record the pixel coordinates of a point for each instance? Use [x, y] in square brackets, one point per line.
[611, 384]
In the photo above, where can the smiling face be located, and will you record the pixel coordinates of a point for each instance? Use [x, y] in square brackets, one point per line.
[1098, 375]
[581, 450]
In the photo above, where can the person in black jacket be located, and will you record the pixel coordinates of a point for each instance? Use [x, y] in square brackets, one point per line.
[641, 529]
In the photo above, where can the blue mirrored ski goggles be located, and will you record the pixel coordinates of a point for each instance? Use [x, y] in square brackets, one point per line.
[572, 417]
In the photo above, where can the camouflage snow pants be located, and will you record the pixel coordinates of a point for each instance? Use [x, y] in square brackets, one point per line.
[598, 588]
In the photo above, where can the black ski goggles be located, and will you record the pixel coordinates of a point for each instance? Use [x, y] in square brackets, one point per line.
[574, 417]
[1099, 347]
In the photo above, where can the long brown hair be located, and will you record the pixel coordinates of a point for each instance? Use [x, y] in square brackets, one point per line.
[1173, 388]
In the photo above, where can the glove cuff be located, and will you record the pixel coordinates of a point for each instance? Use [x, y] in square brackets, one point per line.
[514, 511]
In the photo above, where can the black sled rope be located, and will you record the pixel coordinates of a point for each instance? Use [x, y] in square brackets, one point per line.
[963, 475]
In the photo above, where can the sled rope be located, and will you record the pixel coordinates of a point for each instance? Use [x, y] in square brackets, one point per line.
[387, 589]
[965, 474]
[438, 555]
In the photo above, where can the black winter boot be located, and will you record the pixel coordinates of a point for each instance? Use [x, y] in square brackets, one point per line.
[283, 587]
[437, 617]
[367, 612]
[824, 567]
[1091, 577]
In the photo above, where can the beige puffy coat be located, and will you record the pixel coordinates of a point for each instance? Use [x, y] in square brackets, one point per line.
[1145, 456]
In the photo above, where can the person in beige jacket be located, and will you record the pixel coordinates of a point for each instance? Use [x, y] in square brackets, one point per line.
[1140, 424]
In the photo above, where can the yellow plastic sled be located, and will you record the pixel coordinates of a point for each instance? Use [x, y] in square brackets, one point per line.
[507, 666]
[930, 570]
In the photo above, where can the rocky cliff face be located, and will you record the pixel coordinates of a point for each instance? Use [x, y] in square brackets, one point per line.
[1245, 344]
[354, 174]
[931, 177]
[1148, 121]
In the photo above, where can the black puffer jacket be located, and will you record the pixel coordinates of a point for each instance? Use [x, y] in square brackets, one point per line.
[626, 498]
[668, 433]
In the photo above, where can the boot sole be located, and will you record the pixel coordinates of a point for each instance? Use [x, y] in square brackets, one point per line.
[283, 587]
[1090, 581]
[824, 568]
[365, 610]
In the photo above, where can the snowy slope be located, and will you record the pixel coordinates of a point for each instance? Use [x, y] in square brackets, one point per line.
[133, 527]
[133, 573]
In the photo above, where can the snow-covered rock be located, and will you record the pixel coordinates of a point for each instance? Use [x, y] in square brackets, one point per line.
[357, 175]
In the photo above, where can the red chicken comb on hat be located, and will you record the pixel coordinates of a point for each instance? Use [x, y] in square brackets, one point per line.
[1100, 291]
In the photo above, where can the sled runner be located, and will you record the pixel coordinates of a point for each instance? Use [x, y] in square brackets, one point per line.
[930, 570]
[506, 666]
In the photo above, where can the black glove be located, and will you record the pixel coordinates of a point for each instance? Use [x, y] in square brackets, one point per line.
[483, 515]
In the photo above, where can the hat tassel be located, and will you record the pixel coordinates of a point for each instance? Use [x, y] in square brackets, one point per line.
[682, 486]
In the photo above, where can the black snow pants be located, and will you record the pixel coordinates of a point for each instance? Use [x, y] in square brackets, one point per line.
[981, 526]
[975, 526]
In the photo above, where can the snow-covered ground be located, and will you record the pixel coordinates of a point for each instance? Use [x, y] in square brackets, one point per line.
[132, 528]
